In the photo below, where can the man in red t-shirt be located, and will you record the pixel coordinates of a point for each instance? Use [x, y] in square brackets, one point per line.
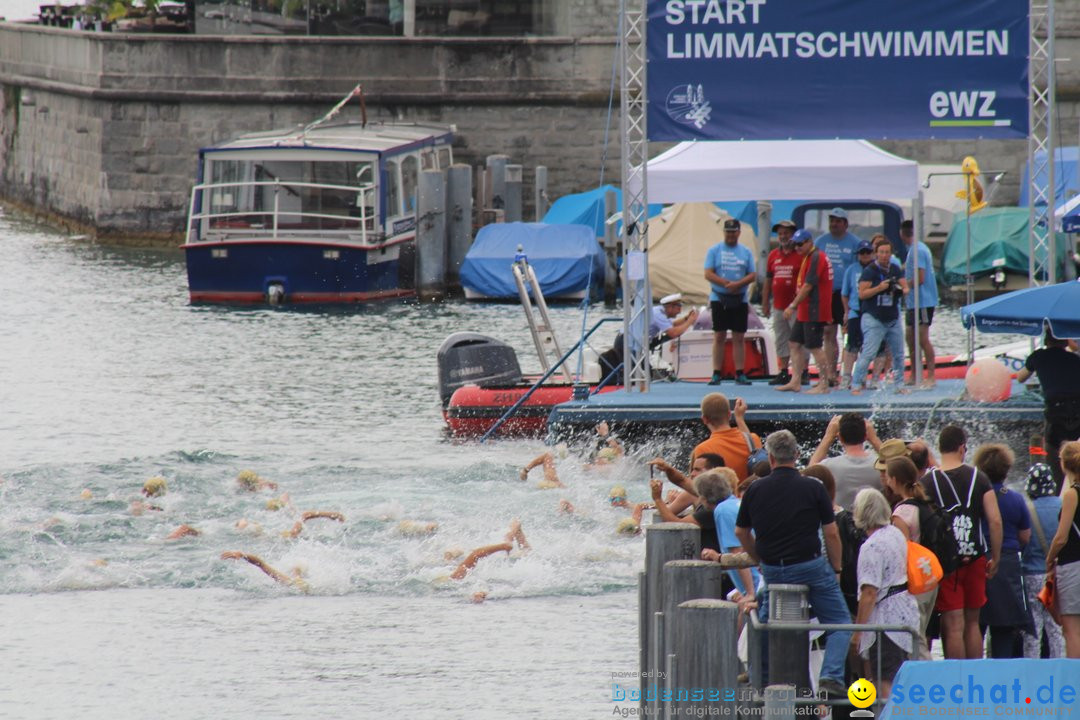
[813, 299]
[781, 271]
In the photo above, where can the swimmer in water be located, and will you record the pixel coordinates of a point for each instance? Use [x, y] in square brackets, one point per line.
[182, 532]
[250, 481]
[295, 580]
[551, 476]
[412, 528]
[312, 515]
[154, 487]
[515, 534]
[605, 440]
[632, 524]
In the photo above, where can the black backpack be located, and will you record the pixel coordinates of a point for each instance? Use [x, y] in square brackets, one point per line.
[936, 534]
[940, 535]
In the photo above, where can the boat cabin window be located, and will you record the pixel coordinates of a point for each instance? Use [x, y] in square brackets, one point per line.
[444, 157]
[408, 183]
[428, 160]
[308, 195]
[393, 189]
[861, 223]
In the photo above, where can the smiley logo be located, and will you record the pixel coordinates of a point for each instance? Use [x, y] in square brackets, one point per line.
[862, 693]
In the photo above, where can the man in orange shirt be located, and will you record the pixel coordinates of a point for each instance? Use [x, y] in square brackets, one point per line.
[730, 443]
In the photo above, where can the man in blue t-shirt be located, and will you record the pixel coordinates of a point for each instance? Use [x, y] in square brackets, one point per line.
[729, 268]
[840, 247]
[928, 300]
[881, 289]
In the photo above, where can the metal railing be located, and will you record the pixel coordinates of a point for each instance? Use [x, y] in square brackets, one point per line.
[544, 378]
[756, 634]
[279, 221]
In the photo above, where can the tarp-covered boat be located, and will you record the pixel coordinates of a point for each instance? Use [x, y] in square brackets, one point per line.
[999, 245]
[567, 260]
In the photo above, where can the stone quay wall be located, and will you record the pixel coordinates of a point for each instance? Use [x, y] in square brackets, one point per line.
[101, 131]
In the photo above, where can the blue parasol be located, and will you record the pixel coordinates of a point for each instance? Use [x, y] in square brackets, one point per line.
[1026, 311]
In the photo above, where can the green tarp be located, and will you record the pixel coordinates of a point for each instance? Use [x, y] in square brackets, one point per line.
[997, 233]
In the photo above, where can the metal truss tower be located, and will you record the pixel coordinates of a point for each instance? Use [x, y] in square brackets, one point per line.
[1041, 182]
[637, 296]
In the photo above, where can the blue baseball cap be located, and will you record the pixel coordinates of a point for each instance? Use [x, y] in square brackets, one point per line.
[800, 237]
[864, 246]
[838, 212]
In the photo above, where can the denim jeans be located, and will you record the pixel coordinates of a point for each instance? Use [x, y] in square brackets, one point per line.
[874, 331]
[826, 604]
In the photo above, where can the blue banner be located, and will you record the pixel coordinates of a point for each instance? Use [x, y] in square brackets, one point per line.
[854, 69]
[989, 688]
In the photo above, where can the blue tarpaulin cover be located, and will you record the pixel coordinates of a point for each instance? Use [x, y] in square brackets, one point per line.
[587, 208]
[562, 256]
[1066, 174]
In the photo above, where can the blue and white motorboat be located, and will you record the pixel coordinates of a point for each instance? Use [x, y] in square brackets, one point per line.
[319, 214]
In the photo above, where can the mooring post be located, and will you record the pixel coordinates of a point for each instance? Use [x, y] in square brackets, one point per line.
[496, 165]
[459, 219]
[540, 193]
[513, 193]
[431, 245]
[779, 701]
[705, 634]
[663, 542]
[686, 580]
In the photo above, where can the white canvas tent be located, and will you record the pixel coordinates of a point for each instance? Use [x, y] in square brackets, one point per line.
[679, 238]
[761, 169]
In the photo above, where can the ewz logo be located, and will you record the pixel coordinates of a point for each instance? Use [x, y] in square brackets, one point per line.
[965, 108]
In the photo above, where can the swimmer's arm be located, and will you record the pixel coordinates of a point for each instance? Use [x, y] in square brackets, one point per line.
[325, 514]
[474, 557]
[259, 563]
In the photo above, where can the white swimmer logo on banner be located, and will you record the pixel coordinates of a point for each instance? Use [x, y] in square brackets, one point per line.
[687, 104]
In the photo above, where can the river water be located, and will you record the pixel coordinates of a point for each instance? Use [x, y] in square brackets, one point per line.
[108, 377]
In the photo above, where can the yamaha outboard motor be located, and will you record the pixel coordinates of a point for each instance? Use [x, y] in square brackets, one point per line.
[468, 357]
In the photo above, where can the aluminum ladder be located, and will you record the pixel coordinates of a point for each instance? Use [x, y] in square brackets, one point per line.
[536, 313]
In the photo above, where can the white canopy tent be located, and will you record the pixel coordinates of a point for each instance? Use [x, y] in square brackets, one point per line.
[712, 171]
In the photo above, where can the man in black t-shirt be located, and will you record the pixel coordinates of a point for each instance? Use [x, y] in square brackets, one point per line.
[1057, 369]
[969, 497]
[778, 524]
